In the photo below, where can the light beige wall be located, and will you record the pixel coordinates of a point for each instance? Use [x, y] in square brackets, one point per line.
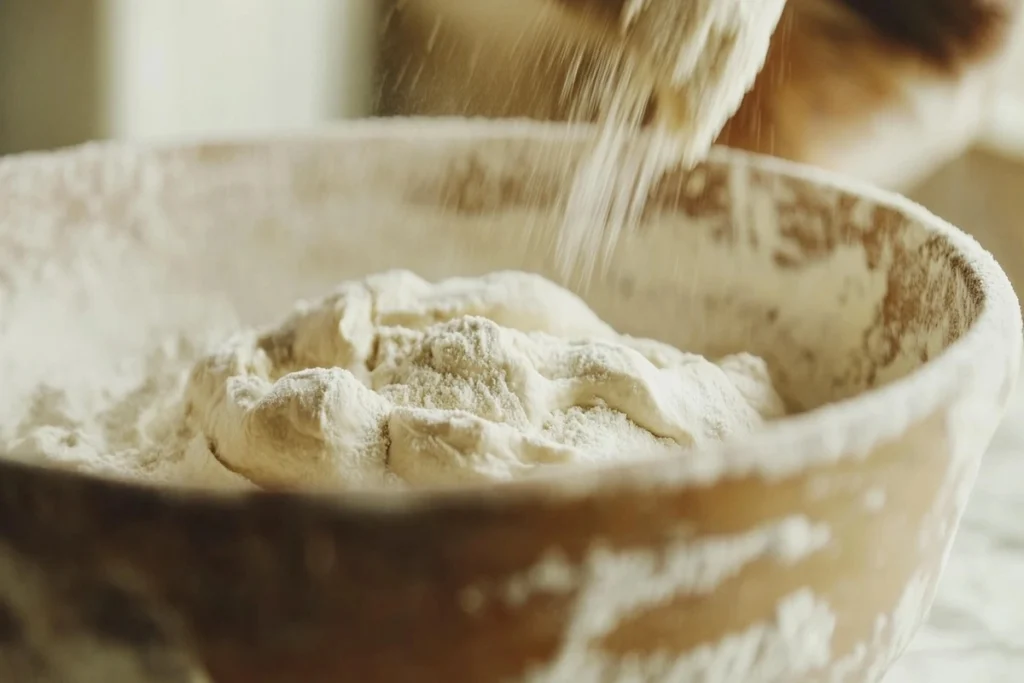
[74, 70]
[191, 67]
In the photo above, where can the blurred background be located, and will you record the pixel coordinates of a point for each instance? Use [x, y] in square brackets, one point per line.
[78, 70]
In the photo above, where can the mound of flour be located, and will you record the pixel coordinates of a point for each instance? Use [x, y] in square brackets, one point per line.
[393, 381]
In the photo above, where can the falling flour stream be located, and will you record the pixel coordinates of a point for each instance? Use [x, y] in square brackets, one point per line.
[692, 62]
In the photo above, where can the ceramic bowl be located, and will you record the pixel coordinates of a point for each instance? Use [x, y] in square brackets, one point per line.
[806, 553]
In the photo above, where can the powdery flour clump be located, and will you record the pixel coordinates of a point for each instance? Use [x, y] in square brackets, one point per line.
[394, 382]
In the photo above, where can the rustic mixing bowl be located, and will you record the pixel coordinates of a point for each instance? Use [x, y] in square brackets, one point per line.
[806, 553]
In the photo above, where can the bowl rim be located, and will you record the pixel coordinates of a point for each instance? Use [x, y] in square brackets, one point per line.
[987, 353]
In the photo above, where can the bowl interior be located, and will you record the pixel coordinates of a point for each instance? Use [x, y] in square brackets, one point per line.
[107, 253]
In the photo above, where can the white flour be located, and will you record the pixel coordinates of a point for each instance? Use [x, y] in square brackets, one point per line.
[393, 381]
[694, 61]
[138, 434]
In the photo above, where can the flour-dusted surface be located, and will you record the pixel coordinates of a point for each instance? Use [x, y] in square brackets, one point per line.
[613, 586]
[394, 381]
